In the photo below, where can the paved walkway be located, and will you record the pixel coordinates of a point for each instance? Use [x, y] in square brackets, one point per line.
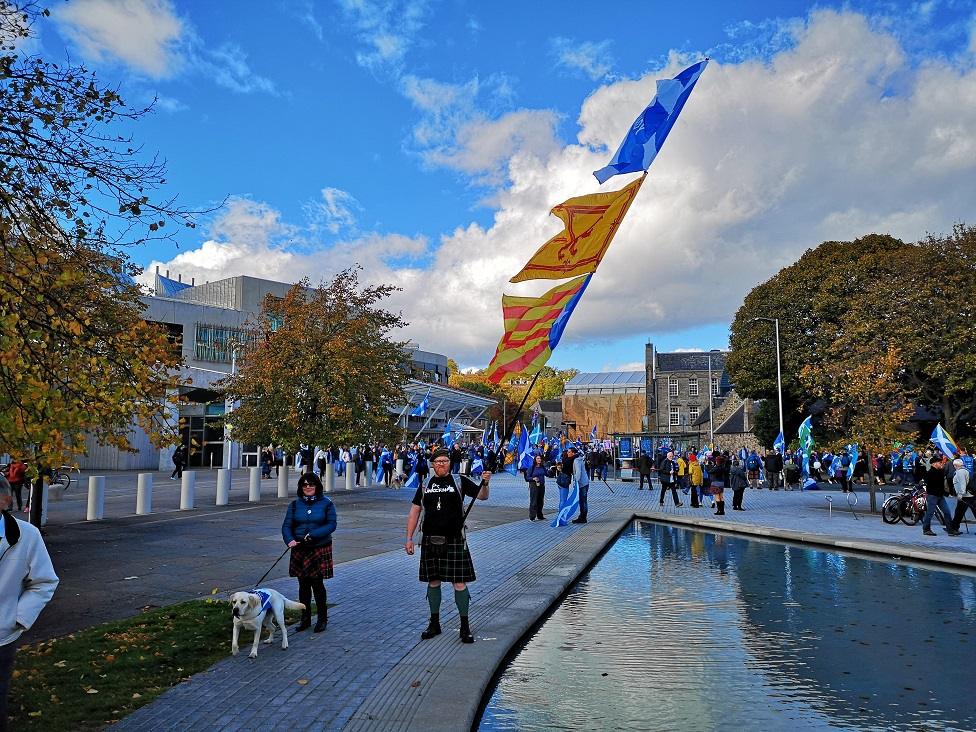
[370, 671]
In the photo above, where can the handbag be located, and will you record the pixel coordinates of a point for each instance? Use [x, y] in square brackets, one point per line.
[563, 480]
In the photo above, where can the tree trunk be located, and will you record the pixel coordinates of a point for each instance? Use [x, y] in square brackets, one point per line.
[873, 489]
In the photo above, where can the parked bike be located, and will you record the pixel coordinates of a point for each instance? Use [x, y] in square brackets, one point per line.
[908, 507]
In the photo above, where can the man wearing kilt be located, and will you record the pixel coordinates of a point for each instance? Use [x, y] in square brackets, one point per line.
[444, 555]
[308, 527]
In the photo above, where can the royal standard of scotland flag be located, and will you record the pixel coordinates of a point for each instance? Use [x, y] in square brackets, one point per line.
[945, 442]
[651, 128]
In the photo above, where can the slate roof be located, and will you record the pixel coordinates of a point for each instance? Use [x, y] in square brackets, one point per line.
[691, 361]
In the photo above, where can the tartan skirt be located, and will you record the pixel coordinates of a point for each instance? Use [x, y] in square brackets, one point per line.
[449, 562]
[314, 562]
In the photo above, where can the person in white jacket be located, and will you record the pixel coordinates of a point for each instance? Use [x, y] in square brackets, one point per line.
[27, 582]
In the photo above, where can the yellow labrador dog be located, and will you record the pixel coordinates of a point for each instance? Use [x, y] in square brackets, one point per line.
[257, 608]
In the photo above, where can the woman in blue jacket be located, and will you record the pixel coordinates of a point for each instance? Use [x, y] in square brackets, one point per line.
[307, 529]
[535, 476]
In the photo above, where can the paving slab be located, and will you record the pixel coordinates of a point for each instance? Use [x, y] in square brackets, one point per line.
[369, 670]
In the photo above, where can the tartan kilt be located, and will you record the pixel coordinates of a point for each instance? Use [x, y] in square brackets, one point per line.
[753, 475]
[314, 562]
[450, 562]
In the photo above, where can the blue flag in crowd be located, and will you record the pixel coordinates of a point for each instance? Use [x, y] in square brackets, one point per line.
[651, 128]
[854, 452]
[379, 465]
[421, 409]
[536, 434]
[524, 450]
[477, 466]
[414, 480]
[945, 442]
[494, 438]
[593, 433]
[568, 509]
[780, 444]
[448, 437]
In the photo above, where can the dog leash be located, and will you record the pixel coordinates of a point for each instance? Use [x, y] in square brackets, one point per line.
[258, 583]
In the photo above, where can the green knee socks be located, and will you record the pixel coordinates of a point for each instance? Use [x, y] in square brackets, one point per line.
[462, 598]
[434, 599]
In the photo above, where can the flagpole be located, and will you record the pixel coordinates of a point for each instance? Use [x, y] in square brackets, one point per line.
[508, 432]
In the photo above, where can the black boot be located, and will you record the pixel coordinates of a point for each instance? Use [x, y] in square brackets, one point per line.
[322, 620]
[721, 508]
[433, 628]
[306, 621]
[581, 519]
[466, 636]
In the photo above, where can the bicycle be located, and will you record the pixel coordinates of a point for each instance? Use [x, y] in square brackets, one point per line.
[61, 477]
[909, 507]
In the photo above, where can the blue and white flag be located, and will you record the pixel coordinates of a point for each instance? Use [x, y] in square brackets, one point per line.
[945, 442]
[414, 480]
[568, 509]
[853, 452]
[651, 128]
[536, 434]
[477, 466]
[805, 433]
[495, 442]
[484, 435]
[421, 409]
[593, 434]
[780, 444]
[379, 465]
[448, 437]
[524, 450]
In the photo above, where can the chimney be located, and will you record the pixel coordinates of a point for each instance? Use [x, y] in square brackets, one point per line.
[193, 281]
[167, 274]
[179, 277]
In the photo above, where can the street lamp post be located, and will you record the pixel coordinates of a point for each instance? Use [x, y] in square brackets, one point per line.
[779, 377]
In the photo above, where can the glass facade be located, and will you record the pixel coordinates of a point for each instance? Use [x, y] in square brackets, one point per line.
[215, 342]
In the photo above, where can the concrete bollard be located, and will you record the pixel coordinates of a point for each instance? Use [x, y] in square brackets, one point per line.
[329, 478]
[254, 490]
[144, 494]
[368, 479]
[350, 476]
[223, 486]
[283, 484]
[399, 468]
[188, 489]
[96, 497]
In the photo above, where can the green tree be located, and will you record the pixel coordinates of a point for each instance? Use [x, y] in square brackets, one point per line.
[845, 305]
[328, 375]
[76, 358]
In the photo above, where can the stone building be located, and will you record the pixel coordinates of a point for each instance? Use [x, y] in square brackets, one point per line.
[679, 387]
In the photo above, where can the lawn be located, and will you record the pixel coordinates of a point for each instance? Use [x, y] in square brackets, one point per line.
[88, 679]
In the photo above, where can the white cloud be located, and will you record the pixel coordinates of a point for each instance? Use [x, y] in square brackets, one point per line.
[767, 160]
[332, 212]
[149, 37]
[387, 29]
[593, 59]
[627, 366]
[142, 33]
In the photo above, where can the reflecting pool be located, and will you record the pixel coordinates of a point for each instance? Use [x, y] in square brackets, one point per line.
[676, 629]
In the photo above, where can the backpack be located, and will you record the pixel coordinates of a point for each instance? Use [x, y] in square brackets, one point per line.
[753, 463]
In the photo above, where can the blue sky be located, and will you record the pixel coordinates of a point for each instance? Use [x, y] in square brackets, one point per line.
[428, 140]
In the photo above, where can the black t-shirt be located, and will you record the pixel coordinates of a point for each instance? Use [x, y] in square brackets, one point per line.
[443, 503]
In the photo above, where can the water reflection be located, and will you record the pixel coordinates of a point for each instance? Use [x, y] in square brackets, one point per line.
[676, 629]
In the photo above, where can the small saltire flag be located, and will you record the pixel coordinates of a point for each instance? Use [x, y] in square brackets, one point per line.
[651, 128]
[590, 224]
[853, 451]
[524, 451]
[780, 444]
[448, 437]
[593, 434]
[536, 434]
[568, 509]
[494, 438]
[533, 327]
[421, 409]
[945, 442]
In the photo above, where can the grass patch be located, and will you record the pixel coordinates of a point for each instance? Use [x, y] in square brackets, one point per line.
[94, 677]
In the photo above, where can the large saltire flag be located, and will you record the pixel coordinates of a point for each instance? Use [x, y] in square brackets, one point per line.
[590, 223]
[945, 442]
[649, 131]
[780, 444]
[568, 509]
[533, 327]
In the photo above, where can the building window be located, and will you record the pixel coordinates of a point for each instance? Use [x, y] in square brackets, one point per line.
[674, 417]
[216, 342]
[693, 413]
[672, 386]
[714, 386]
[693, 387]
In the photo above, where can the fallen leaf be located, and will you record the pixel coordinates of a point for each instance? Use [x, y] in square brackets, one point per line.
[415, 684]
[215, 590]
[302, 682]
[137, 695]
[91, 691]
[59, 664]
[109, 658]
